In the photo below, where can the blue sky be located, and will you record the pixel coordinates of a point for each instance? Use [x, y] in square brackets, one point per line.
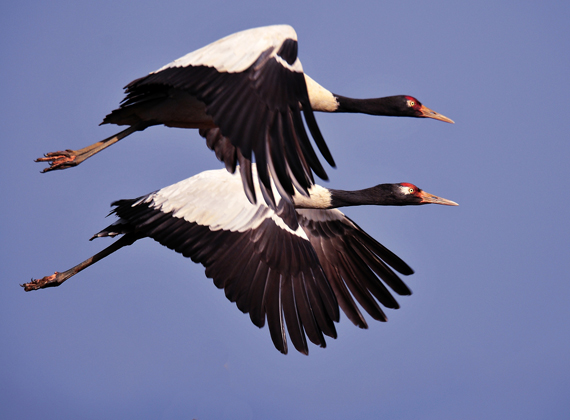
[144, 334]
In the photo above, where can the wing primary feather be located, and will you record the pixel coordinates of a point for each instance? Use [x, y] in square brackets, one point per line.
[277, 165]
[284, 194]
[317, 283]
[324, 316]
[222, 147]
[306, 312]
[362, 296]
[381, 269]
[232, 272]
[384, 253]
[292, 320]
[268, 195]
[239, 278]
[220, 269]
[263, 174]
[255, 295]
[246, 177]
[273, 309]
[316, 133]
[278, 156]
[297, 170]
[342, 294]
[242, 285]
[368, 281]
[372, 283]
[324, 288]
[306, 168]
[309, 153]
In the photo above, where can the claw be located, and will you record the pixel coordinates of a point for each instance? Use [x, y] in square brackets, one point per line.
[59, 160]
[70, 158]
[58, 278]
[47, 281]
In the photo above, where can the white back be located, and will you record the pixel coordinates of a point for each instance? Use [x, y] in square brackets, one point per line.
[237, 52]
[216, 199]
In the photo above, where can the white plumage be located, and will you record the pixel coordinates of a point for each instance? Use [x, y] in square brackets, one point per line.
[214, 199]
[235, 53]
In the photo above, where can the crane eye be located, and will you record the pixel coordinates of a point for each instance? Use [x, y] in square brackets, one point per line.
[411, 103]
[411, 190]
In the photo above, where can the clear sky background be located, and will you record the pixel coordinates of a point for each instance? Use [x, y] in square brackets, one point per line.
[144, 334]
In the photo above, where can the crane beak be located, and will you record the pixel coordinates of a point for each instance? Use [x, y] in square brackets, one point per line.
[428, 113]
[428, 198]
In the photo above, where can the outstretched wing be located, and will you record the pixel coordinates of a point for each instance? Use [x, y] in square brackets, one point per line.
[253, 87]
[269, 270]
[355, 264]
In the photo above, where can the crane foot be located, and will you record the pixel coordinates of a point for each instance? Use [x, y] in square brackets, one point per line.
[47, 281]
[59, 160]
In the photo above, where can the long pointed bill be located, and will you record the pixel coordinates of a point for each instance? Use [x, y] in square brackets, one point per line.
[428, 198]
[428, 113]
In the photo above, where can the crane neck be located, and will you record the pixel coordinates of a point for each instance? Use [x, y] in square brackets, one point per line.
[380, 195]
[389, 105]
[324, 198]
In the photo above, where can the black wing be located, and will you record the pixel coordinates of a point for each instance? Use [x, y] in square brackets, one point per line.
[258, 109]
[355, 263]
[267, 271]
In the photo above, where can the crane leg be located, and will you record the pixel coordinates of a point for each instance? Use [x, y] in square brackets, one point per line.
[58, 278]
[69, 158]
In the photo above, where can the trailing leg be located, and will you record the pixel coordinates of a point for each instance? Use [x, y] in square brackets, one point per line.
[58, 278]
[69, 158]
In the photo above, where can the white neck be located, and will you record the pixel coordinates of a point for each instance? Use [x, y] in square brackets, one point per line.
[321, 99]
[320, 199]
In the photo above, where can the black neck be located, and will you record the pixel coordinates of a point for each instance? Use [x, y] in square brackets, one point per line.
[390, 105]
[380, 195]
